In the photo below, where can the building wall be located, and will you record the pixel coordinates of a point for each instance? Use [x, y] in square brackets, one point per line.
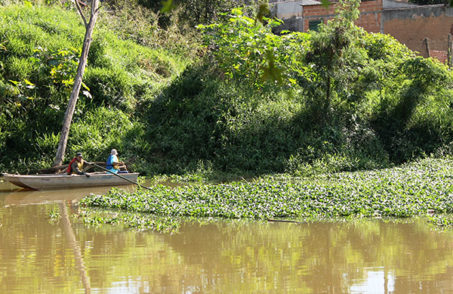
[412, 25]
[409, 25]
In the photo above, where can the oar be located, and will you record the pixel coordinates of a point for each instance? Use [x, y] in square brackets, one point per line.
[92, 163]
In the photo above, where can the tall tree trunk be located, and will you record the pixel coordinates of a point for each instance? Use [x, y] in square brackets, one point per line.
[77, 81]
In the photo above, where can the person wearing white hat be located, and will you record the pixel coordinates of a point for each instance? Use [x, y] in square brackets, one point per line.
[113, 164]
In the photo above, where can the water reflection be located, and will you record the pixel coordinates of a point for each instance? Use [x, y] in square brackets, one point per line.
[377, 279]
[37, 255]
[71, 238]
[24, 197]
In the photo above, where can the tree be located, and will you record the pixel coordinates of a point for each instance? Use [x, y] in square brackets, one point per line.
[89, 27]
[330, 56]
[248, 52]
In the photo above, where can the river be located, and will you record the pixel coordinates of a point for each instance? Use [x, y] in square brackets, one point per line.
[39, 254]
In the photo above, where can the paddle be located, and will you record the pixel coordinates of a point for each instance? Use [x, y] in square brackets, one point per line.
[92, 163]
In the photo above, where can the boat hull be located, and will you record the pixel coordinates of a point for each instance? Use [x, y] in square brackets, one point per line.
[63, 181]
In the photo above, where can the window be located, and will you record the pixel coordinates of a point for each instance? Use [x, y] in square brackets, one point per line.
[313, 24]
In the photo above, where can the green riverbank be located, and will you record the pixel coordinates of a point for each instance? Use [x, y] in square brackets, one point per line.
[421, 188]
[176, 100]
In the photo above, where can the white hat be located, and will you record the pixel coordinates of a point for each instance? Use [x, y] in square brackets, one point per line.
[114, 152]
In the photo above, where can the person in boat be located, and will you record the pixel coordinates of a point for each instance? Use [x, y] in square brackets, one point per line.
[113, 165]
[76, 165]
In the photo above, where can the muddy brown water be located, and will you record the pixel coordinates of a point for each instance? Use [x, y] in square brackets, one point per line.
[38, 255]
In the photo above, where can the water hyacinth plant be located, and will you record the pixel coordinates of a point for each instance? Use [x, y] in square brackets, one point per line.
[414, 189]
[138, 221]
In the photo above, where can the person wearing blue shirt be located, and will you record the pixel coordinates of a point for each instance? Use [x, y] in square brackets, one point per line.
[113, 164]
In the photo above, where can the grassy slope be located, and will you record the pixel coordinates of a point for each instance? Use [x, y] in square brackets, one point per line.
[26, 28]
[121, 74]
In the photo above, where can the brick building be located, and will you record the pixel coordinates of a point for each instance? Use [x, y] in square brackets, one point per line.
[423, 29]
[304, 15]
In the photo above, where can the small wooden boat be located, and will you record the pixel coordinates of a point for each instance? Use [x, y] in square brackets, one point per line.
[64, 181]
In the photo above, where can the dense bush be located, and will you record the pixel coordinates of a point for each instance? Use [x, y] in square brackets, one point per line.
[245, 110]
[417, 122]
[199, 118]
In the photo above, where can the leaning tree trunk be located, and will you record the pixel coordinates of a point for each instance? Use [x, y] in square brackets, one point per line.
[89, 27]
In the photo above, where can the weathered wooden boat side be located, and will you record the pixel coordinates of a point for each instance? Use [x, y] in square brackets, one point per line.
[63, 181]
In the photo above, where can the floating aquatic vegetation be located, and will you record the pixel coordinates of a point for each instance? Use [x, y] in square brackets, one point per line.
[444, 221]
[406, 191]
[138, 221]
[54, 216]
